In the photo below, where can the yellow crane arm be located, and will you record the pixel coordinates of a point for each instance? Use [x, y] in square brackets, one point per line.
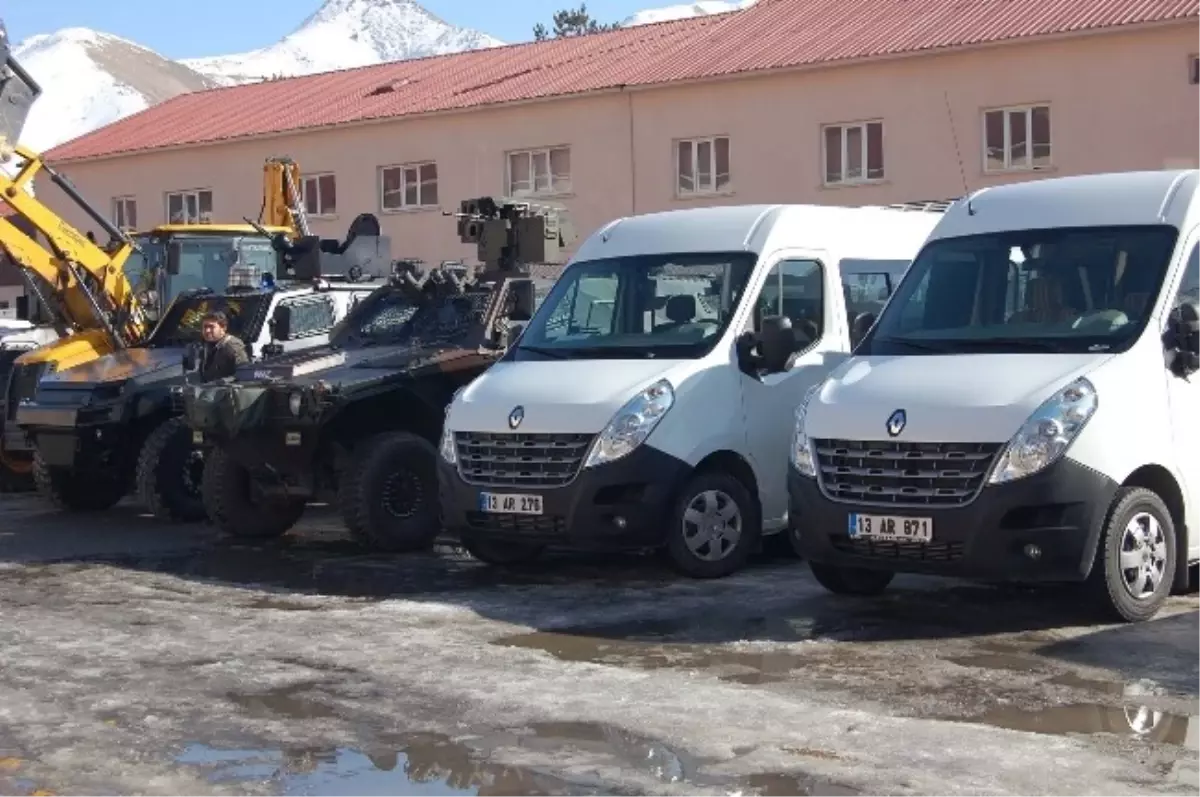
[90, 282]
[283, 205]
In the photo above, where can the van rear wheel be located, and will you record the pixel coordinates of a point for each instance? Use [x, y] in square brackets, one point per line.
[1135, 557]
[714, 526]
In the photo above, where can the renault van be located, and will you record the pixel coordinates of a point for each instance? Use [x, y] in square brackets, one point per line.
[1026, 407]
[647, 403]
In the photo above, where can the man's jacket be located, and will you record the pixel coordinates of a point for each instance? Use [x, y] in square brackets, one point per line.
[221, 359]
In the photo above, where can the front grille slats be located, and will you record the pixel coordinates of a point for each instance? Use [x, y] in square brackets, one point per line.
[520, 459]
[904, 551]
[893, 473]
[533, 526]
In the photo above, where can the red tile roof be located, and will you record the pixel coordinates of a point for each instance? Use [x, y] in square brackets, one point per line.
[771, 34]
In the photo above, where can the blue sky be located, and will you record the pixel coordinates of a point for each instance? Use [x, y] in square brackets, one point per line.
[216, 27]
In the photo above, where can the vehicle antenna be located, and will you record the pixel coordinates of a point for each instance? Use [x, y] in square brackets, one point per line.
[962, 174]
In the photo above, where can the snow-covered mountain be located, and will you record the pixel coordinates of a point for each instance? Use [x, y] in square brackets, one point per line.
[90, 79]
[348, 33]
[685, 10]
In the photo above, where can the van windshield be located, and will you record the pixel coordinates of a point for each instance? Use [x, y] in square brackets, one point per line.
[1055, 290]
[661, 305]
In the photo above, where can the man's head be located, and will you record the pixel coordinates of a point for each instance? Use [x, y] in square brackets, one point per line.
[213, 327]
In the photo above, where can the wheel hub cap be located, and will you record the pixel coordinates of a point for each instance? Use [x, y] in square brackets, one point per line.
[712, 525]
[1143, 556]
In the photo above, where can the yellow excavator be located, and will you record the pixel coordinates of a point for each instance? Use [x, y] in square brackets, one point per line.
[101, 299]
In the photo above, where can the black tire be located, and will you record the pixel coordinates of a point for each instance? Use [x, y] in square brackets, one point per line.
[389, 493]
[1108, 579]
[13, 481]
[233, 507]
[501, 553]
[851, 580]
[77, 491]
[169, 474]
[723, 490]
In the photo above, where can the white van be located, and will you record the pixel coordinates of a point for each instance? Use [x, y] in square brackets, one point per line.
[1026, 407]
[648, 401]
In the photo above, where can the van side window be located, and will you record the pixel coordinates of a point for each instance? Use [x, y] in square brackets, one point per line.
[865, 293]
[1189, 287]
[796, 289]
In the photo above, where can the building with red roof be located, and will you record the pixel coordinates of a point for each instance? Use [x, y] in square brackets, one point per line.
[831, 101]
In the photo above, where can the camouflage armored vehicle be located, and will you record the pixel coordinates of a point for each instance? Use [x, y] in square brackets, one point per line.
[359, 420]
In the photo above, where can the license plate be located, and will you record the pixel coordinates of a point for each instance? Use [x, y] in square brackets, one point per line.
[510, 503]
[891, 528]
[198, 438]
[291, 438]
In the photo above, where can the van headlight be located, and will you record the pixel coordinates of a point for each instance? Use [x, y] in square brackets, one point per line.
[801, 454]
[446, 447]
[632, 424]
[1048, 433]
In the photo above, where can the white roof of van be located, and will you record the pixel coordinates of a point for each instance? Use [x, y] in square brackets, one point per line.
[861, 232]
[1093, 200]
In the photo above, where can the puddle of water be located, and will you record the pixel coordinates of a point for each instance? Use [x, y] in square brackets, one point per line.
[645, 753]
[1089, 718]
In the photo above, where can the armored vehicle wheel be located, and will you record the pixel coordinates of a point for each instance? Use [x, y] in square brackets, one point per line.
[16, 481]
[237, 508]
[389, 494]
[500, 552]
[77, 491]
[170, 470]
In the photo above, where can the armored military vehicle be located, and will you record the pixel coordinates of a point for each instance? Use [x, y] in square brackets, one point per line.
[359, 420]
[113, 424]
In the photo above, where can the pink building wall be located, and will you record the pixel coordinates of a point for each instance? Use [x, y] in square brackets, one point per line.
[1119, 101]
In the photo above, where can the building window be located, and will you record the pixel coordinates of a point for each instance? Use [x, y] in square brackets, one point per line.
[412, 185]
[853, 153]
[320, 194]
[124, 213]
[1194, 69]
[702, 166]
[539, 171]
[1016, 139]
[189, 207]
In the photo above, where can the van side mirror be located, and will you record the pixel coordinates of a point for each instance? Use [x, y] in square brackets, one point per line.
[174, 254]
[776, 342]
[1182, 339]
[524, 299]
[281, 323]
[860, 327]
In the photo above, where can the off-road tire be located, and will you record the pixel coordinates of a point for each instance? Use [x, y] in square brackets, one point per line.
[682, 558]
[12, 481]
[500, 553]
[229, 501]
[1106, 582]
[851, 580]
[161, 487]
[389, 493]
[77, 491]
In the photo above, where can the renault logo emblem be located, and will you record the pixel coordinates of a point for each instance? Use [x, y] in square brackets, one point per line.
[516, 416]
[895, 422]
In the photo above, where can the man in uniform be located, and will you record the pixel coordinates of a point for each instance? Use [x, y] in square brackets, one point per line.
[221, 352]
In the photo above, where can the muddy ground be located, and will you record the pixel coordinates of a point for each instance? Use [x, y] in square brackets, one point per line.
[137, 657]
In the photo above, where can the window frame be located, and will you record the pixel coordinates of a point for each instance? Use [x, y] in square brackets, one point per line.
[529, 152]
[186, 192]
[844, 127]
[320, 212]
[403, 168]
[1008, 110]
[755, 319]
[694, 142]
[123, 203]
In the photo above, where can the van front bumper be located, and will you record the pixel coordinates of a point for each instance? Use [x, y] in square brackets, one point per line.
[1061, 511]
[622, 505]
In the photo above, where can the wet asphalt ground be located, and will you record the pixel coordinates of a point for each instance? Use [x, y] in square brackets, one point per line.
[138, 657]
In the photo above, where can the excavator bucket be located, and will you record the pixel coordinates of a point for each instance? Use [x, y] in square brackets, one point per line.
[18, 91]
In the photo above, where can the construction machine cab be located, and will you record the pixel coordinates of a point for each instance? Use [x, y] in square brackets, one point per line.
[17, 94]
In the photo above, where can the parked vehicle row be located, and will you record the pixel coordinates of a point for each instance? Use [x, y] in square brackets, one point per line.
[995, 388]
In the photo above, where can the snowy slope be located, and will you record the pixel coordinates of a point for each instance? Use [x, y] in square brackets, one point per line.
[348, 33]
[683, 11]
[90, 79]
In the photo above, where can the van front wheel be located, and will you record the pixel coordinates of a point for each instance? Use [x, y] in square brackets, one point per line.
[1135, 557]
[714, 526]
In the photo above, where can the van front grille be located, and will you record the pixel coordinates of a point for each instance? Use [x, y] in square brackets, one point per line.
[893, 473]
[520, 460]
